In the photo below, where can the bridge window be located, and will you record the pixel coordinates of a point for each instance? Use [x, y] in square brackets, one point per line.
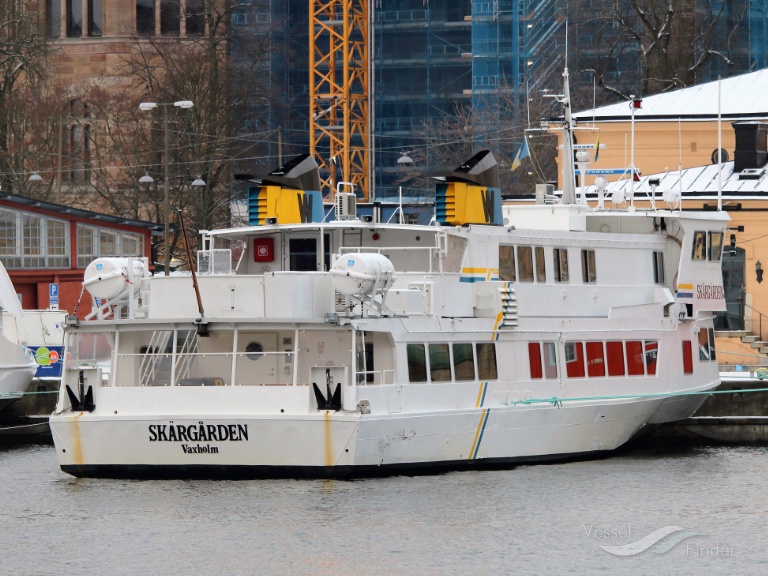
[541, 269]
[507, 264]
[463, 362]
[417, 363]
[699, 246]
[439, 363]
[561, 265]
[486, 361]
[715, 246]
[525, 263]
[658, 267]
[588, 270]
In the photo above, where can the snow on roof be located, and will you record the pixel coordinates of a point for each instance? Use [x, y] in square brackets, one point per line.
[700, 182]
[742, 96]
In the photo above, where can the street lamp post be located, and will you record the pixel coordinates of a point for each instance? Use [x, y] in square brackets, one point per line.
[166, 202]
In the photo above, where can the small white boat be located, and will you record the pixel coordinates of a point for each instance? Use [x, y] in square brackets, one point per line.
[17, 366]
[357, 347]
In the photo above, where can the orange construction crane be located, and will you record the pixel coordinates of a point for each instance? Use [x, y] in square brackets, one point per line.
[339, 93]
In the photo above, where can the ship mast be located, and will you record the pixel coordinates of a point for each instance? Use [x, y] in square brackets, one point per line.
[569, 176]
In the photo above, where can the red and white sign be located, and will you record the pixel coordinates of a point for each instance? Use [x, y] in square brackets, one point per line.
[263, 250]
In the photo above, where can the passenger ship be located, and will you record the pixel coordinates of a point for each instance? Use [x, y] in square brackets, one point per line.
[357, 347]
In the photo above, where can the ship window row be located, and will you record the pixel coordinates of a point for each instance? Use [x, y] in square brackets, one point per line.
[456, 362]
[528, 264]
[594, 359]
[707, 246]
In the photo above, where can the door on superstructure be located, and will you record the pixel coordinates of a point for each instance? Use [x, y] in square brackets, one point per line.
[258, 360]
[733, 284]
[302, 253]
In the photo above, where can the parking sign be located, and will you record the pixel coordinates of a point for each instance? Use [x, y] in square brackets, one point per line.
[53, 295]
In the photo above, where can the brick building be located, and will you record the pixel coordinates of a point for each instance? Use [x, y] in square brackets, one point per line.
[43, 243]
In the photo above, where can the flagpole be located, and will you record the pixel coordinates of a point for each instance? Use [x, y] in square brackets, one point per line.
[719, 150]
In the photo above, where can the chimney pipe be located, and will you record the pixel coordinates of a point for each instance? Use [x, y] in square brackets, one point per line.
[751, 138]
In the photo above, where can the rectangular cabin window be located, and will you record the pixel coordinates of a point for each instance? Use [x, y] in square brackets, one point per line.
[541, 267]
[561, 264]
[525, 263]
[550, 360]
[417, 363]
[658, 268]
[439, 363]
[651, 356]
[595, 360]
[534, 359]
[303, 254]
[574, 359]
[463, 362]
[687, 357]
[715, 246]
[507, 264]
[707, 345]
[588, 270]
[699, 251]
[486, 361]
[635, 365]
[614, 352]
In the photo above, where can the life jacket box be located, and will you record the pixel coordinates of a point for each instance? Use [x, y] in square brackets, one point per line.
[263, 250]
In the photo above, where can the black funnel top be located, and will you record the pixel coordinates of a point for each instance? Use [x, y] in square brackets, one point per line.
[481, 169]
[301, 173]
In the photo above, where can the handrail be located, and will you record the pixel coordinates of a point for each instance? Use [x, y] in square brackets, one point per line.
[760, 321]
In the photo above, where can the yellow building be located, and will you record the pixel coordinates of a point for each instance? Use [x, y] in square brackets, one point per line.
[675, 148]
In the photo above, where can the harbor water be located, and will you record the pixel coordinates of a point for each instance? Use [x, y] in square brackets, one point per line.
[650, 510]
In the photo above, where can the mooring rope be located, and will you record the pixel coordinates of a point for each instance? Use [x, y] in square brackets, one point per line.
[557, 401]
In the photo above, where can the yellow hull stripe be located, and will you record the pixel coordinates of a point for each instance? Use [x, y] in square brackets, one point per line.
[479, 433]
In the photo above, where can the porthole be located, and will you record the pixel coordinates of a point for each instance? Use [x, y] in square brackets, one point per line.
[253, 351]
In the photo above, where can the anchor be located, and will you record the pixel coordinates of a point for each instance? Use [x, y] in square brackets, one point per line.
[84, 401]
[333, 401]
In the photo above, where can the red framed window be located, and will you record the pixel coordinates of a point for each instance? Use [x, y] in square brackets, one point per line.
[635, 358]
[615, 356]
[687, 357]
[651, 356]
[534, 357]
[574, 359]
[595, 360]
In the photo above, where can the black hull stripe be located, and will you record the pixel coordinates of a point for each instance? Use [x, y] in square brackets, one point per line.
[242, 472]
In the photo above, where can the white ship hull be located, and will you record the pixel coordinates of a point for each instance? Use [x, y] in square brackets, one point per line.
[16, 372]
[227, 443]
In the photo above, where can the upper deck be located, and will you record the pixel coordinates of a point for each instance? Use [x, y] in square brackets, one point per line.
[544, 262]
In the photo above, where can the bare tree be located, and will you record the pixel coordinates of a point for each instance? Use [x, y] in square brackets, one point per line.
[667, 42]
[24, 54]
[205, 141]
[497, 123]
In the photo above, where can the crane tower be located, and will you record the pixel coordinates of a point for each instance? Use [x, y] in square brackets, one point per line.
[339, 92]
